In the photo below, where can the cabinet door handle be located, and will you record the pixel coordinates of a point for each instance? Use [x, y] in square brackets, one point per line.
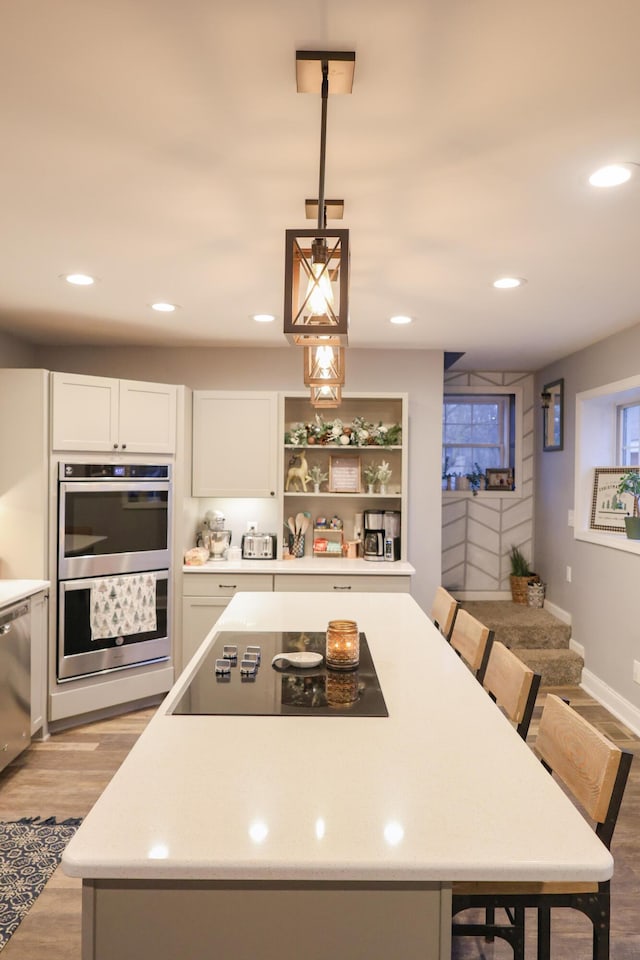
[347, 587]
[124, 446]
[227, 586]
[115, 446]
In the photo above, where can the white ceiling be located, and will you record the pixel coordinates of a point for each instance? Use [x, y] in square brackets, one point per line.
[161, 146]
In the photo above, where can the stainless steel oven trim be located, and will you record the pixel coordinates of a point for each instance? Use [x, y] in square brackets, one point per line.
[114, 658]
[111, 563]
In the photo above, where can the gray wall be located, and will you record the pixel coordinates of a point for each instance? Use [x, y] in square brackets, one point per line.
[15, 352]
[419, 373]
[602, 596]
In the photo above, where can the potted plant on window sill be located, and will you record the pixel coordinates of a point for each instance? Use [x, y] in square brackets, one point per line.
[630, 483]
[521, 576]
[477, 479]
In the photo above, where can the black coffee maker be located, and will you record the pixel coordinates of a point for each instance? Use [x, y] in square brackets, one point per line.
[374, 535]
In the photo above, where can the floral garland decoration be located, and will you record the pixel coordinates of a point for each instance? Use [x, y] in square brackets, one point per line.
[359, 433]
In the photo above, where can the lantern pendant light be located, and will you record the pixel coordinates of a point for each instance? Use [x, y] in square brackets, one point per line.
[323, 366]
[316, 299]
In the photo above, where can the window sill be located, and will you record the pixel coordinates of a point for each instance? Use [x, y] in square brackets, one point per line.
[617, 541]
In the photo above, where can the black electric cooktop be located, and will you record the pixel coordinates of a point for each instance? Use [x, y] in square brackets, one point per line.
[290, 692]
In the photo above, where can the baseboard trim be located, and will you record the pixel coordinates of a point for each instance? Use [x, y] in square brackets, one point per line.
[625, 711]
[558, 612]
[576, 647]
[480, 594]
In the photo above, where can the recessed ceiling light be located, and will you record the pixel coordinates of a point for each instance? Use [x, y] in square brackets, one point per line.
[508, 283]
[611, 176]
[79, 279]
[164, 307]
[263, 317]
[400, 320]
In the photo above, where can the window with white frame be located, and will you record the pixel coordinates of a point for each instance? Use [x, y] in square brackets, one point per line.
[478, 430]
[628, 423]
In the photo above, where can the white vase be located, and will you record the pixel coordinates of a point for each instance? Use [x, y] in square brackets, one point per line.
[383, 489]
[369, 488]
[316, 488]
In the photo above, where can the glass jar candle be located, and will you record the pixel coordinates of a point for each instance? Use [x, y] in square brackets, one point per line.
[343, 645]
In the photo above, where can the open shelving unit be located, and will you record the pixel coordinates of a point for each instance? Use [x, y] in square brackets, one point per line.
[388, 409]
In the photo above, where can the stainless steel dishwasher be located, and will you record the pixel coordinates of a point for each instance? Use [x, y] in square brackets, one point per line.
[15, 681]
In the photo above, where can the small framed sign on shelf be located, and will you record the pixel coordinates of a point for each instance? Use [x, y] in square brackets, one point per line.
[608, 507]
[344, 475]
[499, 478]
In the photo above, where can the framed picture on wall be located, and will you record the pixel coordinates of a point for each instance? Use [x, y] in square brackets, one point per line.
[608, 507]
[552, 415]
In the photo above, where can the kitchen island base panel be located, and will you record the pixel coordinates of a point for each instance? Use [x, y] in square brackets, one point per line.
[136, 920]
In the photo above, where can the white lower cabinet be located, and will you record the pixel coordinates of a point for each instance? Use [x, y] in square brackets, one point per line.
[205, 596]
[327, 583]
[198, 616]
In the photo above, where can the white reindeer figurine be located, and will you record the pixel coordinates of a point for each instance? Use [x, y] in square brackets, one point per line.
[297, 474]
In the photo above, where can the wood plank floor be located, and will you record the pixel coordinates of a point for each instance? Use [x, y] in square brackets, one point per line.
[64, 776]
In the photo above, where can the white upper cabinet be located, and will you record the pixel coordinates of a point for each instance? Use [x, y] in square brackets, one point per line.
[235, 444]
[99, 413]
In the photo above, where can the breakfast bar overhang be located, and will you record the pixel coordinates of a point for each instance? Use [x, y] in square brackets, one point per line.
[324, 836]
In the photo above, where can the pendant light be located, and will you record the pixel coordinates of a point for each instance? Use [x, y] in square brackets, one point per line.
[316, 299]
[326, 396]
[323, 366]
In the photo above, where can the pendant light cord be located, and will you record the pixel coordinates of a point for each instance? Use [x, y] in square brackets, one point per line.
[322, 217]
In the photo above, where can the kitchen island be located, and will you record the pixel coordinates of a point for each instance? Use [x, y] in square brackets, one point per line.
[321, 836]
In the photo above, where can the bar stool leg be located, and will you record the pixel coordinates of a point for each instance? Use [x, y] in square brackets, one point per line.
[544, 933]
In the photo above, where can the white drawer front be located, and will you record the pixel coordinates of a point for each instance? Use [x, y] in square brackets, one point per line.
[325, 583]
[225, 584]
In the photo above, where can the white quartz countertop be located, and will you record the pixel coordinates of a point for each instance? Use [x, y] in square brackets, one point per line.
[441, 789]
[310, 565]
[13, 590]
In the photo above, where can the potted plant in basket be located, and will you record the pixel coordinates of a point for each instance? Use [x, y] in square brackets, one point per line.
[630, 483]
[521, 576]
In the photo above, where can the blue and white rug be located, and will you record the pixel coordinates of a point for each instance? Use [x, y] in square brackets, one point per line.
[30, 851]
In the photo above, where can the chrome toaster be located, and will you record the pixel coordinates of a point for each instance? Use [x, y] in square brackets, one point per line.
[259, 546]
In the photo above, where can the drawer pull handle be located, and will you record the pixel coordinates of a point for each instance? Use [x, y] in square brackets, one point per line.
[348, 587]
[227, 586]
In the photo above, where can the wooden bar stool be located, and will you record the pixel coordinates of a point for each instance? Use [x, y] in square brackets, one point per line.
[443, 612]
[513, 685]
[595, 771]
[472, 641]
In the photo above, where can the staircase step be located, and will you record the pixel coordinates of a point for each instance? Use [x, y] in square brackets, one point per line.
[556, 667]
[517, 625]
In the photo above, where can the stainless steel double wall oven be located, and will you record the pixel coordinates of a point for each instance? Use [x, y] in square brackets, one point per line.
[113, 520]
